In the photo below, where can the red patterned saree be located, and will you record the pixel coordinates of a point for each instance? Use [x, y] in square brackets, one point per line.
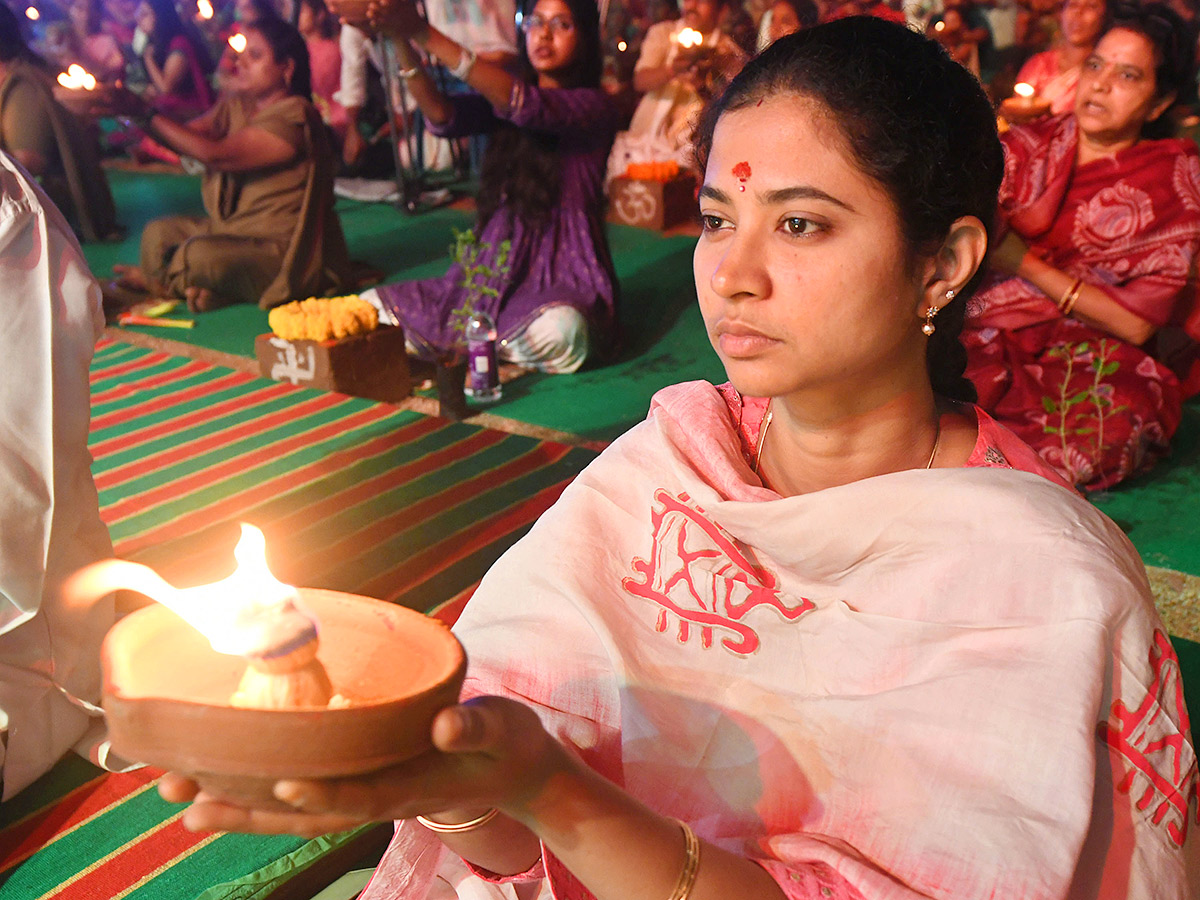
[1095, 407]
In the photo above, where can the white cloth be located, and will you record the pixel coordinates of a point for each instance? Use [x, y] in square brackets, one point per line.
[485, 26]
[945, 683]
[50, 317]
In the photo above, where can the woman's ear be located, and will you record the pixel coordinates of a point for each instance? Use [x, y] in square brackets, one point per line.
[960, 255]
[1161, 106]
[289, 72]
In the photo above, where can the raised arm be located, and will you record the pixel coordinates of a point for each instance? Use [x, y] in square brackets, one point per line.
[408, 29]
[243, 150]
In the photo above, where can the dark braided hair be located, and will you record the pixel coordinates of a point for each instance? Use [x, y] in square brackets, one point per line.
[521, 168]
[916, 122]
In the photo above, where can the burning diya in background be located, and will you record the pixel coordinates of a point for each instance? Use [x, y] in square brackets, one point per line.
[230, 684]
[1024, 105]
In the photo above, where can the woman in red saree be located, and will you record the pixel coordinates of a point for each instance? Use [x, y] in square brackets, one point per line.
[1103, 227]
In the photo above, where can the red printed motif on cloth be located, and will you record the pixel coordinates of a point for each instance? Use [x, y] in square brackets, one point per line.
[1148, 741]
[698, 574]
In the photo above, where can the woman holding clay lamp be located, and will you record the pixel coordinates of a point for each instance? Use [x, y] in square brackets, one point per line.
[826, 630]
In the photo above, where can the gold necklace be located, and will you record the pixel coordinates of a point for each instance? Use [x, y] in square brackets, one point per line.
[762, 436]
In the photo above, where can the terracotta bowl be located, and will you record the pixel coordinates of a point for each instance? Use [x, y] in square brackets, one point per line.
[1019, 110]
[166, 698]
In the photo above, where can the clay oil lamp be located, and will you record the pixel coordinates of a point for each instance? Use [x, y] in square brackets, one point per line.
[246, 681]
[1024, 105]
[80, 92]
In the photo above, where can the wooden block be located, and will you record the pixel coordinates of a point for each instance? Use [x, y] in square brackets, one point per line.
[652, 204]
[371, 365]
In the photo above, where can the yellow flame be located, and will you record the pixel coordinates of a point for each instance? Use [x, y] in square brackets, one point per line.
[31, 13]
[1021, 89]
[940, 26]
[230, 612]
[204, 8]
[77, 77]
[622, 46]
[237, 41]
[690, 37]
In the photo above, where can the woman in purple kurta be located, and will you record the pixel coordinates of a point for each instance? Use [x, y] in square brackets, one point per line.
[541, 198]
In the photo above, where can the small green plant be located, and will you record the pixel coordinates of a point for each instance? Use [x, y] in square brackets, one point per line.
[1070, 418]
[480, 274]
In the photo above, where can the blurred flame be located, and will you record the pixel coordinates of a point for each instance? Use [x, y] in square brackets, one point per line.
[77, 77]
[622, 46]
[240, 615]
[204, 8]
[237, 41]
[1021, 89]
[31, 13]
[939, 26]
[690, 37]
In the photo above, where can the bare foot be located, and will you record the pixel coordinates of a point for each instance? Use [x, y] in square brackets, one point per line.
[202, 299]
[131, 277]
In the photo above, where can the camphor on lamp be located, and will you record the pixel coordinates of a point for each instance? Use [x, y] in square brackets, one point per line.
[249, 614]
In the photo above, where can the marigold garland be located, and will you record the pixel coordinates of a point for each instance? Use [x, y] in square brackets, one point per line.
[323, 318]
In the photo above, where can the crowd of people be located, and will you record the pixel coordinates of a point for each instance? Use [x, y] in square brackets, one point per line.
[1083, 341]
[839, 627]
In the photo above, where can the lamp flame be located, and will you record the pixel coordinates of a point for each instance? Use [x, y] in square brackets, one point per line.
[77, 78]
[1021, 89]
[32, 14]
[204, 9]
[690, 37]
[250, 613]
[622, 46]
[237, 41]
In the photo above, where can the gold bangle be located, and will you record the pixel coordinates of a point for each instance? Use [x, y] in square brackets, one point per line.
[1067, 302]
[459, 828]
[691, 863]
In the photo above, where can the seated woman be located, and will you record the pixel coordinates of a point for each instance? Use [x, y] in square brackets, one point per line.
[829, 631]
[784, 17]
[1103, 227]
[177, 64]
[675, 80]
[541, 207]
[1054, 73]
[271, 234]
[81, 40]
[49, 141]
[320, 31]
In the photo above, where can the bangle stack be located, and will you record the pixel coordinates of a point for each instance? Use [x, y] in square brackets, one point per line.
[459, 828]
[691, 864]
[466, 61]
[1067, 303]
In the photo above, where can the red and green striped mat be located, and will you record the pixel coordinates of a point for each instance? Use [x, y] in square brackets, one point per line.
[352, 495]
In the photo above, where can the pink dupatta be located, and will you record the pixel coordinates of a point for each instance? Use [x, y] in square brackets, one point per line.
[944, 683]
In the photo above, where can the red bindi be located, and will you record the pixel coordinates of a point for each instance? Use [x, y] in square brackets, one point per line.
[742, 172]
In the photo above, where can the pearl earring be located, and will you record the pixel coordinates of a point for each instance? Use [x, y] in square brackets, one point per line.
[928, 327]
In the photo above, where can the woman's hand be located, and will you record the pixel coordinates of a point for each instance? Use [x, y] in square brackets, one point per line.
[487, 752]
[397, 19]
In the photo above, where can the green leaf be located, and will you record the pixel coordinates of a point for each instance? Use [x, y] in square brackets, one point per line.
[1048, 405]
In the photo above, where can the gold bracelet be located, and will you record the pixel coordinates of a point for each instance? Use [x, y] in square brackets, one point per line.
[471, 825]
[691, 863]
[1067, 303]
